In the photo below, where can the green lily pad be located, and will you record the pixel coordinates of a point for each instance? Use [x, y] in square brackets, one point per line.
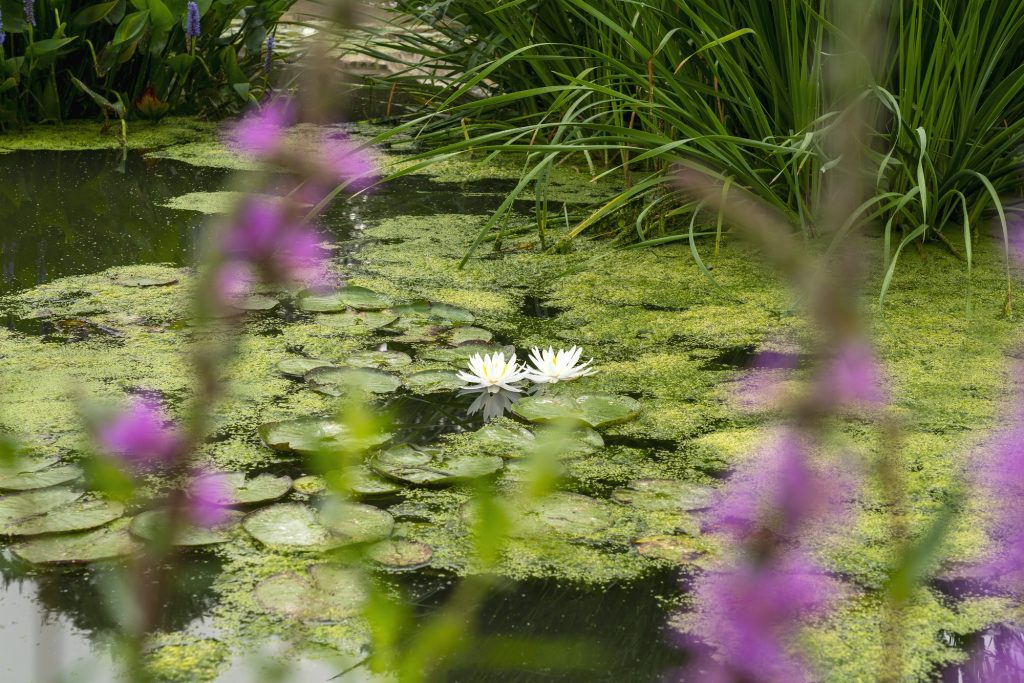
[237, 489]
[151, 525]
[504, 438]
[256, 302]
[354, 322]
[340, 381]
[379, 359]
[161, 281]
[105, 543]
[298, 526]
[400, 554]
[665, 495]
[298, 367]
[315, 435]
[568, 514]
[461, 335]
[310, 485]
[433, 310]
[363, 481]
[26, 481]
[21, 506]
[415, 330]
[77, 515]
[570, 442]
[327, 593]
[430, 466]
[434, 381]
[359, 298]
[594, 410]
[677, 549]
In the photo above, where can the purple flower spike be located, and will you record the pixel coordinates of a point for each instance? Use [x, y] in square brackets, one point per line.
[853, 377]
[348, 164]
[1003, 481]
[209, 496]
[268, 56]
[192, 24]
[761, 387]
[269, 239]
[232, 283]
[260, 132]
[140, 435]
[30, 11]
[3, 34]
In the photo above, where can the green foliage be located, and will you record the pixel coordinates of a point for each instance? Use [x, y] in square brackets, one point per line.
[131, 58]
[743, 89]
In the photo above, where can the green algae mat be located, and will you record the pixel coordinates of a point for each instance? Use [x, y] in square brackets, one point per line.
[652, 433]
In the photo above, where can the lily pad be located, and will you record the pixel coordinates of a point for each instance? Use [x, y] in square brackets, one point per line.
[340, 381]
[298, 526]
[594, 410]
[310, 485]
[575, 441]
[433, 310]
[505, 438]
[359, 298]
[430, 467]
[414, 330]
[400, 554]
[354, 322]
[665, 495]
[315, 435]
[105, 543]
[256, 302]
[151, 524]
[461, 335]
[325, 594]
[433, 381]
[365, 482]
[28, 480]
[156, 281]
[568, 514]
[379, 359]
[20, 506]
[677, 549]
[298, 367]
[237, 489]
[78, 515]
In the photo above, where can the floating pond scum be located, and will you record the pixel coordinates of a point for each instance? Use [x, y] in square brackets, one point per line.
[98, 272]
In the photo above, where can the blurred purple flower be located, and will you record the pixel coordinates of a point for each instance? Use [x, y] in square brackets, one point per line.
[349, 164]
[30, 11]
[751, 613]
[261, 131]
[209, 496]
[760, 387]
[232, 283]
[192, 24]
[853, 377]
[273, 242]
[1002, 478]
[140, 435]
[3, 34]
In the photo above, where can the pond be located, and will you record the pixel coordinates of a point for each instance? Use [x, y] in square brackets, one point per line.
[77, 213]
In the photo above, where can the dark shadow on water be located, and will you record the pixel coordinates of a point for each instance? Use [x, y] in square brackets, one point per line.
[997, 656]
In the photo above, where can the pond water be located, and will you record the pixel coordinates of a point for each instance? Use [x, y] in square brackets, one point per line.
[69, 213]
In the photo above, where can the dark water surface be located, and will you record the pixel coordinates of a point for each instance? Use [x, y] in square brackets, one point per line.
[66, 213]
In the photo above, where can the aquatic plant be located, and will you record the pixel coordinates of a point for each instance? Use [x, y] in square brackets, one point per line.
[30, 11]
[140, 435]
[551, 367]
[492, 373]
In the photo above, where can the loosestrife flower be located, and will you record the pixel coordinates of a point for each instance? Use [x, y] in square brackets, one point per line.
[853, 377]
[140, 435]
[347, 163]
[30, 11]
[3, 34]
[208, 499]
[192, 21]
[267, 237]
[551, 367]
[261, 131]
[493, 373]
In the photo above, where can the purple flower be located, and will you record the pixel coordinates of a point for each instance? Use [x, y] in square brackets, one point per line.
[261, 131]
[273, 242]
[192, 25]
[140, 435]
[209, 496]
[1002, 479]
[268, 56]
[853, 377]
[232, 282]
[348, 164]
[3, 34]
[30, 11]
[752, 612]
[761, 387]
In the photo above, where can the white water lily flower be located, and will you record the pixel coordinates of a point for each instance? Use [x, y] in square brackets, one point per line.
[493, 373]
[493, 405]
[551, 367]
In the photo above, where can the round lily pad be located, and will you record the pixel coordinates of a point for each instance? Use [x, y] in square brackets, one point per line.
[400, 554]
[298, 367]
[151, 525]
[105, 543]
[433, 381]
[77, 515]
[325, 594]
[256, 302]
[340, 381]
[365, 482]
[138, 281]
[379, 359]
[234, 488]
[594, 410]
[354, 322]
[310, 485]
[21, 506]
[25, 474]
[665, 495]
[433, 310]
[430, 467]
[568, 514]
[574, 441]
[461, 335]
[416, 330]
[678, 549]
[505, 438]
[315, 435]
[359, 298]
[298, 526]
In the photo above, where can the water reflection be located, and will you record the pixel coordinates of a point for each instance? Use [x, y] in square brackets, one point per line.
[998, 657]
[490, 404]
